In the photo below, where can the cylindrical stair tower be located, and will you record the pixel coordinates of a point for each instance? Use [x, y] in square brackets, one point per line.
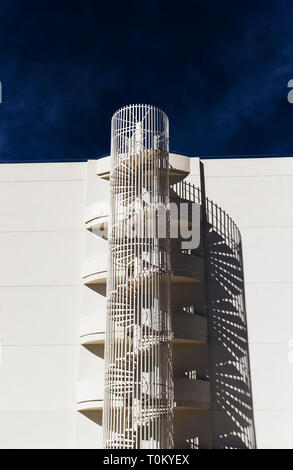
[138, 402]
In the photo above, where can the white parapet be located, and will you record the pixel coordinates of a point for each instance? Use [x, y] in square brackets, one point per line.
[179, 167]
[90, 395]
[92, 328]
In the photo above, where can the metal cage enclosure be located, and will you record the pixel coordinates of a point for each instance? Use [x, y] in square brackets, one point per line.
[138, 402]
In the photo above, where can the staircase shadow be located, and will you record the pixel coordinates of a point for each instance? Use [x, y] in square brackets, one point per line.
[231, 397]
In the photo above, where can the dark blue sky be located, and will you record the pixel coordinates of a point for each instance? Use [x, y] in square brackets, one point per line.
[218, 68]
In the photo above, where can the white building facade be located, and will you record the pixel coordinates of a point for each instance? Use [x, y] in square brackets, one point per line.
[54, 231]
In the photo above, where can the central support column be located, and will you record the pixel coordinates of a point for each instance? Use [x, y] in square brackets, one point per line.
[138, 402]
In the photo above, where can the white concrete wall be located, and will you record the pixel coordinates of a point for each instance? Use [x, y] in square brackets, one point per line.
[258, 194]
[42, 247]
[91, 356]
[41, 234]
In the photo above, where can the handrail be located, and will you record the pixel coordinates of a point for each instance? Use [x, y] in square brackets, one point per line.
[216, 216]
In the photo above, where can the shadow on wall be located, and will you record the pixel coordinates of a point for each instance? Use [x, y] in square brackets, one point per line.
[220, 298]
[231, 397]
[94, 415]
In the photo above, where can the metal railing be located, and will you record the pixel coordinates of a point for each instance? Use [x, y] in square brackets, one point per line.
[218, 219]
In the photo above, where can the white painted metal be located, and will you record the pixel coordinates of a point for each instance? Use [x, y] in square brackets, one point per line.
[138, 357]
